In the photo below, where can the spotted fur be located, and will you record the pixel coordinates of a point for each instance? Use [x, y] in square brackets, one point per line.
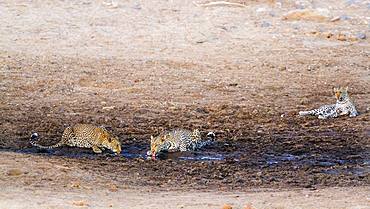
[85, 136]
[343, 106]
[178, 140]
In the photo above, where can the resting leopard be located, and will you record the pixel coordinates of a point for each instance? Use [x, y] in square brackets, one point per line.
[85, 136]
[343, 106]
[178, 140]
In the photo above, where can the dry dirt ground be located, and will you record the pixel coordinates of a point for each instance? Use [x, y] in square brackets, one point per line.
[141, 67]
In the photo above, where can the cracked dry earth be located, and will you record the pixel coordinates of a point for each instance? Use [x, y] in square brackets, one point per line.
[141, 67]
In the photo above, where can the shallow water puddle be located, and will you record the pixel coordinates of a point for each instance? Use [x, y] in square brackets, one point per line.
[329, 164]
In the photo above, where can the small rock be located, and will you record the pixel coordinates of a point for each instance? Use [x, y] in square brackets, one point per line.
[342, 37]
[282, 68]
[248, 206]
[335, 19]
[265, 24]
[80, 203]
[226, 206]
[312, 67]
[262, 9]
[350, 2]
[327, 34]
[344, 17]
[295, 26]
[109, 108]
[76, 185]
[318, 15]
[113, 188]
[137, 6]
[14, 172]
[361, 35]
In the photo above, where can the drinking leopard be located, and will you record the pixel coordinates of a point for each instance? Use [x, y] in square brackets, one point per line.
[85, 136]
[178, 140]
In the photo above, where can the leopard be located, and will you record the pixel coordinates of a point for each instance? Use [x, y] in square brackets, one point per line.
[178, 140]
[84, 136]
[343, 106]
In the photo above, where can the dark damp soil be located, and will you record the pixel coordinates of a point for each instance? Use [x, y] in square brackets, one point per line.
[261, 142]
[242, 81]
[251, 151]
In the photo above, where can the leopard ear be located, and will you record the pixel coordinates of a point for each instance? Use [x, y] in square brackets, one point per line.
[335, 89]
[346, 88]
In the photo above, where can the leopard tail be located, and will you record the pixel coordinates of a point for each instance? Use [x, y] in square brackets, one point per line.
[310, 112]
[35, 138]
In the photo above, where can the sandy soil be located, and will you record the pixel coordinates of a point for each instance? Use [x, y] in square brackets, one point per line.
[141, 67]
[51, 183]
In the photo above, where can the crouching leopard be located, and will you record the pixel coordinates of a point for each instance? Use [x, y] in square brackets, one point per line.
[178, 140]
[343, 106]
[85, 136]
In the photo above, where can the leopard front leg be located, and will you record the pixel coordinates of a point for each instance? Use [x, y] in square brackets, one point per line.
[96, 149]
[353, 113]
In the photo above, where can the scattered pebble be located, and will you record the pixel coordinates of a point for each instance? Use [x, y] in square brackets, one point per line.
[350, 2]
[112, 4]
[14, 172]
[137, 6]
[282, 68]
[265, 24]
[295, 26]
[308, 14]
[226, 206]
[340, 36]
[361, 35]
[113, 188]
[262, 9]
[109, 108]
[335, 19]
[248, 206]
[80, 203]
[76, 185]
[344, 17]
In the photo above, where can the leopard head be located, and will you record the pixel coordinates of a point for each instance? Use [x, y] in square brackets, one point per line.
[341, 94]
[211, 136]
[158, 144]
[111, 142]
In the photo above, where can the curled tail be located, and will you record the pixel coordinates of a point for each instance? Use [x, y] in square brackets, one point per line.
[35, 138]
[303, 113]
[210, 139]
